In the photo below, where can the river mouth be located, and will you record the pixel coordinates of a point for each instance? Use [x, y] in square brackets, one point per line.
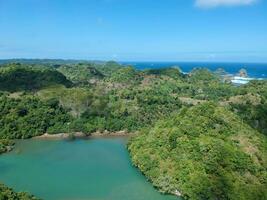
[93, 169]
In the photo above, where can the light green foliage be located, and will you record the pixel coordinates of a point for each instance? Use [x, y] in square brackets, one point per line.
[81, 73]
[202, 75]
[76, 100]
[256, 87]
[125, 75]
[206, 85]
[108, 68]
[251, 105]
[205, 152]
[26, 117]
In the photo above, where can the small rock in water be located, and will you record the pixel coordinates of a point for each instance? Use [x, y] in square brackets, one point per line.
[177, 193]
[243, 73]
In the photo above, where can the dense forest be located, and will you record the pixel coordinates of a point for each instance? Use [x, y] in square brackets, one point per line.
[26, 117]
[204, 152]
[196, 133]
[17, 77]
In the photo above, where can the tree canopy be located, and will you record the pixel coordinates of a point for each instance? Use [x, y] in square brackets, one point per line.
[15, 77]
[196, 133]
[204, 152]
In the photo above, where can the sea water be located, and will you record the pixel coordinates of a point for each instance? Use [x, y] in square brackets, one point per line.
[255, 70]
[93, 169]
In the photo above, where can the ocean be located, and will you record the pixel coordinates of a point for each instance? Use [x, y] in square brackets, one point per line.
[254, 70]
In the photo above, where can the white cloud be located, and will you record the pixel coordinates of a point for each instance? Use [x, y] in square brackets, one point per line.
[216, 3]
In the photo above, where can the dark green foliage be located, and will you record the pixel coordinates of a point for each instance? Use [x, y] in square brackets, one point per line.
[215, 91]
[156, 103]
[5, 145]
[205, 152]
[130, 99]
[254, 115]
[202, 75]
[256, 87]
[206, 85]
[23, 78]
[8, 194]
[26, 117]
[172, 72]
[251, 106]
[108, 68]
[130, 110]
[125, 75]
[81, 73]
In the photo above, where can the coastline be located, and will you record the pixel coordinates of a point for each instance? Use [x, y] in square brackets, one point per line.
[105, 134]
[81, 135]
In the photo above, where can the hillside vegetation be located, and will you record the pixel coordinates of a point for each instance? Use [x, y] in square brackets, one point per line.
[251, 106]
[173, 72]
[204, 152]
[81, 73]
[15, 77]
[26, 116]
[197, 134]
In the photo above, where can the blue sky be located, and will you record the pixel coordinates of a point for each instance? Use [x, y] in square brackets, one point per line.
[135, 30]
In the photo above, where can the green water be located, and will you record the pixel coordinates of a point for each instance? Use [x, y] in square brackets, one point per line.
[95, 169]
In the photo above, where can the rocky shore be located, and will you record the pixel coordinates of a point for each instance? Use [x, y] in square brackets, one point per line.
[83, 135]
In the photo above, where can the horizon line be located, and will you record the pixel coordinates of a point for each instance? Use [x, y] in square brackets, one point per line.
[137, 61]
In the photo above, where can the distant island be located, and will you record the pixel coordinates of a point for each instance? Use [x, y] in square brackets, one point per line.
[198, 135]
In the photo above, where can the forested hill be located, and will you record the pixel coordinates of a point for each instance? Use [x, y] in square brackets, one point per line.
[27, 116]
[196, 133]
[204, 152]
[16, 77]
[174, 72]
[109, 96]
[81, 73]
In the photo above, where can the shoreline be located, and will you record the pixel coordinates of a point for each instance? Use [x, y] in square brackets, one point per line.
[95, 135]
[81, 135]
